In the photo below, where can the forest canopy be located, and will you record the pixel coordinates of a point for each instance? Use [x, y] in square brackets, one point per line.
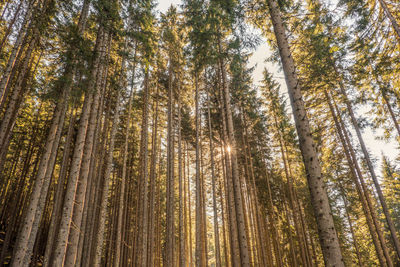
[133, 137]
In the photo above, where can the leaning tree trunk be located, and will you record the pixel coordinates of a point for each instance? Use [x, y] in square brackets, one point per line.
[33, 216]
[62, 239]
[356, 175]
[18, 93]
[390, 109]
[10, 26]
[80, 193]
[370, 207]
[319, 197]
[17, 47]
[393, 21]
[371, 169]
[353, 236]
[59, 194]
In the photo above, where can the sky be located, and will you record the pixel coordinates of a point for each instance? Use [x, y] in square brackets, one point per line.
[257, 60]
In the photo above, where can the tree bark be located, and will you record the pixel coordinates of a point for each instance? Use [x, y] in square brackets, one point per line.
[61, 244]
[393, 21]
[199, 253]
[182, 236]
[326, 228]
[233, 232]
[99, 235]
[362, 191]
[170, 186]
[213, 184]
[152, 214]
[17, 44]
[371, 169]
[240, 210]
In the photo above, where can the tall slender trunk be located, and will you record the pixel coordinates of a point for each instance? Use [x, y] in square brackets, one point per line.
[231, 258]
[223, 219]
[254, 195]
[203, 194]
[191, 262]
[319, 198]
[152, 198]
[182, 236]
[299, 220]
[353, 236]
[10, 26]
[17, 45]
[170, 227]
[393, 21]
[200, 253]
[96, 169]
[213, 184]
[371, 169]
[92, 91]
[272, 222]
[390, 109]
[142, 200]
[99, 236]
[18, 93]
[59, 193]
[357, 175]
[120, 197]
[12, 222]
[240, 210]
[145, 188]
[233, 232]
[32, 218]
[80, 193]
[290, 189]
[185, 205]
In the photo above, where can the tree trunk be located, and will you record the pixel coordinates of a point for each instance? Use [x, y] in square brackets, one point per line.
[326, 228]
[99, 235]
[362, 191]
[389, 107]
[152, 214]
[9, 27]
[18, 93]
[240, 210]
[62, 239]
[80, 194]
[143, 183]
[393, 21]
[182, 236]
[189, 208]
[170, 231]
[370, 167]
[200, 253]
[213, 184]
[59, 193]
[17, 44]
[346, 207]
[233, 234]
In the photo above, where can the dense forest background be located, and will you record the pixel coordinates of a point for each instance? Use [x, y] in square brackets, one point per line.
[130, 137]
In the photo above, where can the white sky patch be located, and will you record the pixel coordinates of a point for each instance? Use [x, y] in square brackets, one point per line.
[163, 5]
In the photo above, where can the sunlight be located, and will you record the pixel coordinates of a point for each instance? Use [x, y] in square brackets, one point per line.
[228, 148]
